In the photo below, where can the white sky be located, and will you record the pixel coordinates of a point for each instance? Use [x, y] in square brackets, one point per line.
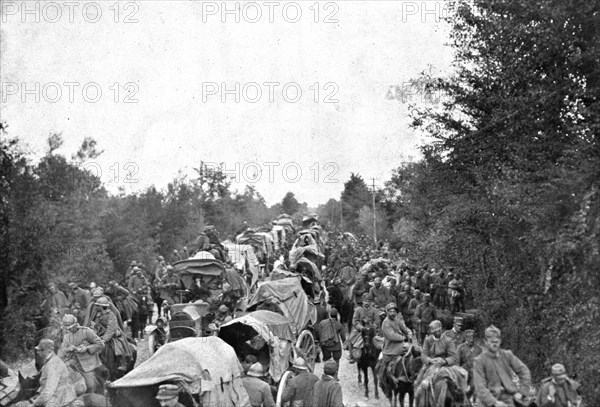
[170, 55]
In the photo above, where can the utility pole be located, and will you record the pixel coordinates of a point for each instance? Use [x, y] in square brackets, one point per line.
[374, 214]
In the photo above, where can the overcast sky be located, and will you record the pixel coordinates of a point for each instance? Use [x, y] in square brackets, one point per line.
[171, 60]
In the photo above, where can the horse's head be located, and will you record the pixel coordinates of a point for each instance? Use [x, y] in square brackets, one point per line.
[28, 387]
[408, 368]
[368, 332]
[454, 393]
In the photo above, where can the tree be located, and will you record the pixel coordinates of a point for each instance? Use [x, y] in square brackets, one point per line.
[290, 204]
[355, 195]
[330, 212]
[365, 221]
[508, 189]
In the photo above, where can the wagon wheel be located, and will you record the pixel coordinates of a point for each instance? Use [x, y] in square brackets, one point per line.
[306, 348]
[280, 389]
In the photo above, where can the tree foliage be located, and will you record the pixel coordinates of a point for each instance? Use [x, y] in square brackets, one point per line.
[60, 225]
[508, 188]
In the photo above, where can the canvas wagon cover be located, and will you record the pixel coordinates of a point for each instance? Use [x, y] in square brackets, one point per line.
[187, 360]
[239, 253]
[273, 328]
[289, 296]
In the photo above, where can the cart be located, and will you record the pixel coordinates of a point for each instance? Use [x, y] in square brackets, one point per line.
[288, 298]
[206, 370]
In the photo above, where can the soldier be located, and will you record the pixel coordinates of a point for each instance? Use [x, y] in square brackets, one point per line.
[467, 352]
[259, 392]
[300, 385]
[79, 300]
[380, 294]
[56, 388]
[424, 315]
[395, 334]
[437, 352]
[559, 390]
[364, 315]
[80, 349]
[361, 287]
[456, 334]
[169, 285]
[107, 327]
[168, 396]
[327, 392]
[137, 280]
[493, 373]
[58, 301]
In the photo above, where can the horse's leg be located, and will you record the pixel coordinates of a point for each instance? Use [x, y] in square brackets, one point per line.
[375, 380]
[366, 374]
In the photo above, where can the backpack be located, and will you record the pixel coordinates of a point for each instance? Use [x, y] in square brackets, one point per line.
[329, 337]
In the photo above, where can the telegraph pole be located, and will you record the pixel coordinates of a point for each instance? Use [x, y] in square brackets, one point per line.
[374, 214]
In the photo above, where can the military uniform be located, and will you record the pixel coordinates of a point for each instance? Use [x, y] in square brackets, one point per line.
[492, 377]
[56, 389]
[83, 362]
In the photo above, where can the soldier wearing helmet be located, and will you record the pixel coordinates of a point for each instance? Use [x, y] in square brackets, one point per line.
[80, 349]
[259, 392]
[299, 386]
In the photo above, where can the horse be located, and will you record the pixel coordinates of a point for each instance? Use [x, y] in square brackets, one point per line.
[28, 387]
[347, 308]
[368, 359]
[442, 390]
[110, 360]
[404, 370]
[101, 377]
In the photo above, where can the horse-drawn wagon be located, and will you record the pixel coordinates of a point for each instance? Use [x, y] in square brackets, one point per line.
[268, 336]
[288, 298]
[206, 370]
[204, 280]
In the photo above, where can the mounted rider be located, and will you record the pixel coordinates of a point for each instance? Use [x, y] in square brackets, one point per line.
[107, 327]
[456, 334]
[80, 349]
[438, 351]
[122, 299]
[395, 335]
[364, 316]
[56, 388]
[380, 294]
[361, 287]
[169, 285]
[467, 352]
[92, 310]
